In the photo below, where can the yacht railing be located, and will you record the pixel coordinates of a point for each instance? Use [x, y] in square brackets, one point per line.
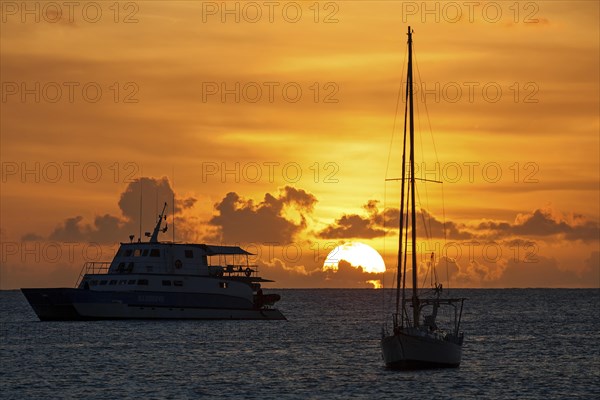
[241, 270]
[93, 267]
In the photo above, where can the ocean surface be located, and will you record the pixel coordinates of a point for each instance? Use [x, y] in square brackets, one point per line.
[519, 344]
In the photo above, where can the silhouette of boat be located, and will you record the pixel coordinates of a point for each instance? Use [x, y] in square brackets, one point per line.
[417, 343]
[161, 280]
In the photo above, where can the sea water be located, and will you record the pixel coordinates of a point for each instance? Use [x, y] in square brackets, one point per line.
[519, 343]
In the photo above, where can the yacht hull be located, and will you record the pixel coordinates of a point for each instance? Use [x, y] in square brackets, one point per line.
[66, 304]
[413, 351]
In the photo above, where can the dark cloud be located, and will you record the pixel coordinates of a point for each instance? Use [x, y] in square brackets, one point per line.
[31, 237]
[155, 192]
[515, 272]
[520, 243]
[545, 222]
[242, 221]
[376, 222]
[152, 193]
[346, 276]
[70, 230]
[352, 226]
[474, 272]
[389, 217]
[539, 223]
[545, 272]
[428, 223]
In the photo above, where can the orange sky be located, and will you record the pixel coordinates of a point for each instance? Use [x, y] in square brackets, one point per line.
[291, 158]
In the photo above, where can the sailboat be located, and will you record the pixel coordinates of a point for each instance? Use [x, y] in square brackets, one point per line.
[418, 339]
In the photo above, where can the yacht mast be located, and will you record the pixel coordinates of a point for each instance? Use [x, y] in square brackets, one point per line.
[415, 298]
[401, 221]
[154, 237]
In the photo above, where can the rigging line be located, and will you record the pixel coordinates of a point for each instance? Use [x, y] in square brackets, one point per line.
[426, 275]
[405, 246]
[404, 184]
[438, 163]
[445, 240]
[383, 302]
[426, 205]
[387, 167]
[426, 109]
[429, 238]
[434, 269]
[395, 118]
[428, 232]
[402, 187]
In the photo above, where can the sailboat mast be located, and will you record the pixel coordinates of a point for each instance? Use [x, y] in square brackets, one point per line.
[415, 298]
[401, 221]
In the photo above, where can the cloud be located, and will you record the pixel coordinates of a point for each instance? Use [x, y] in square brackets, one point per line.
[511, 272]
[375, 223]
[70, 230]
[353, 226]
[155, 192]
[345, 276]
[543, 273]
[242, 221]
[435, 228]
[348, 276]
[109, 228]
[474, 273]
[543, 223]
[32, 237]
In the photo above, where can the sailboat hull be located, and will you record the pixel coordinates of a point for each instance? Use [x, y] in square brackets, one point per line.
[414, 351]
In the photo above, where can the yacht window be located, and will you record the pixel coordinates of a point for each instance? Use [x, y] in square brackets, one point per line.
[223, 285]
[166, 283]
[102, 282]
[130, 267]
[113, 282]
[189, 254]
[155, 253]
[137, 252]
[121, 267]
[128, 253]
[123, 282]
[94, 282]
[142, 281]
[177, 283]
[131, 282]
[145, 253]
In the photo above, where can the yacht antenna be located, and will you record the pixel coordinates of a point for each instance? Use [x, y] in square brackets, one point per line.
[173, 188]
[154, 237]
[140, 236]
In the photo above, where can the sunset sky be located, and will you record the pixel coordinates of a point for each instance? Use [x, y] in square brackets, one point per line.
[273, 123]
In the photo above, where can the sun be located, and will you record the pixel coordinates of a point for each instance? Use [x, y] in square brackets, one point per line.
[358, 255]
